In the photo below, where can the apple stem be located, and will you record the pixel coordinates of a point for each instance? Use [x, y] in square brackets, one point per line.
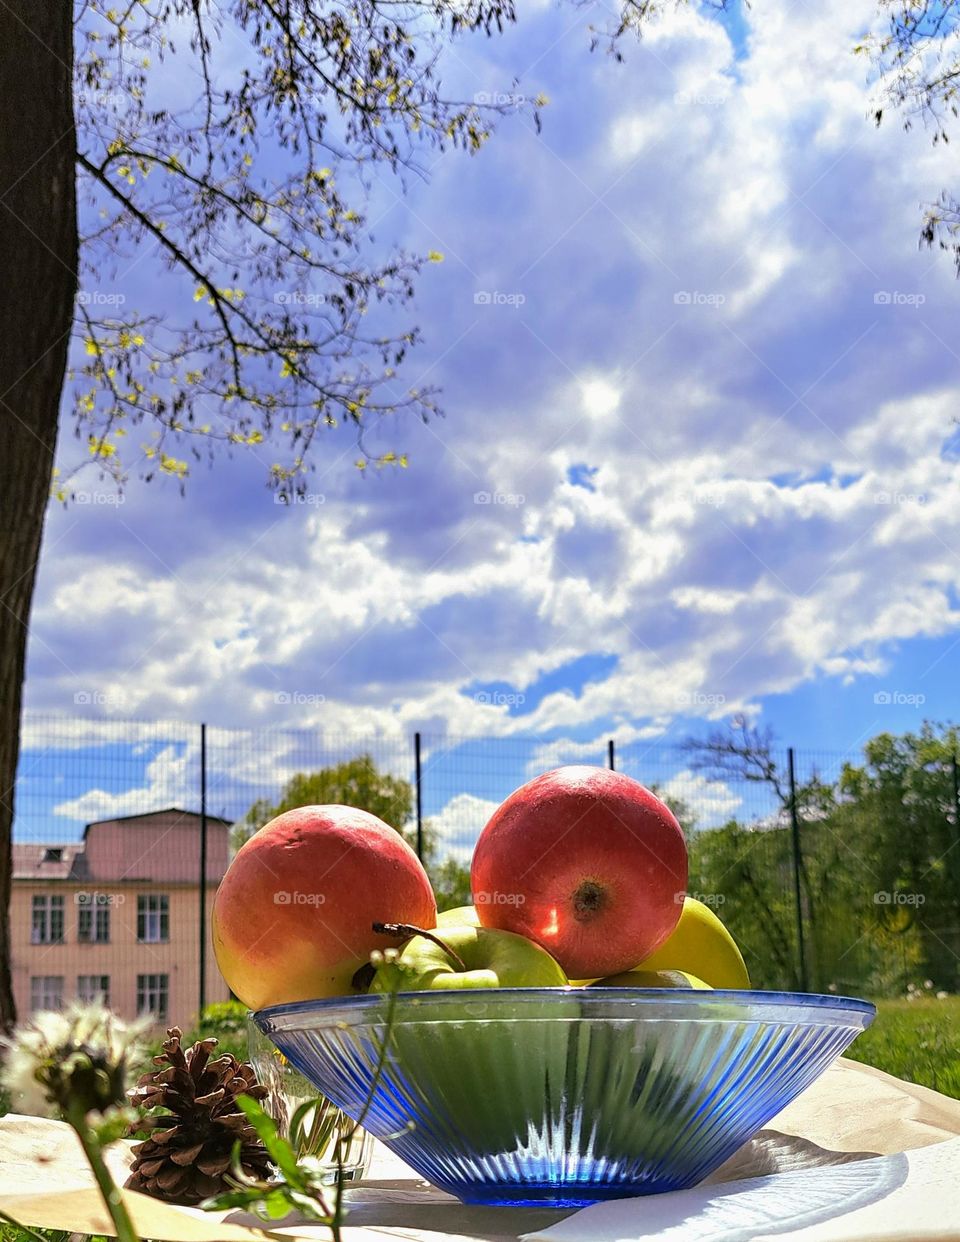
[407, 929]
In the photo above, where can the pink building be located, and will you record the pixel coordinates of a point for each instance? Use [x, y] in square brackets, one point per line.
[118, 916]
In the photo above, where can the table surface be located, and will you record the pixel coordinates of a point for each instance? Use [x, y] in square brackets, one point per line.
[851, 1114]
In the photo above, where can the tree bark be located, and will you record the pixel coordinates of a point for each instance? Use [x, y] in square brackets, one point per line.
[38, 281]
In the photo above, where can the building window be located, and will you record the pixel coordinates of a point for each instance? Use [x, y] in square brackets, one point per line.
[53, 853]
[47, 922]
[92, 988]
[46, 992]
[153, 919]
[93, 925]
[153, 995]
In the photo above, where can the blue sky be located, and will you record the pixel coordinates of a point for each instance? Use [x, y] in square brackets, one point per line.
[699, 455]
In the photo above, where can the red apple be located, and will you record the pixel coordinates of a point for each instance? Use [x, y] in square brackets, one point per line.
[586, 862]
[293, 916]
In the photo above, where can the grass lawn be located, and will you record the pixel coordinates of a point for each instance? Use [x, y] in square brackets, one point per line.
[917, 1040]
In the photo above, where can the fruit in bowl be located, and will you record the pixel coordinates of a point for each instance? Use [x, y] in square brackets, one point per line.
[474, 961]
[293, 916]
[586, 862]
[465, 957]
[459, 916]
[653, 979]
[471, 1058]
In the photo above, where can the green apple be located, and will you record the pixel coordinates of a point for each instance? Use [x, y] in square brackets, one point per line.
[459, 916]
[653, 979]
[471, 1056]
[469, 957]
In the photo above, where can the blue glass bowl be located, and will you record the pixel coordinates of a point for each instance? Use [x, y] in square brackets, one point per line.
[565, 1096]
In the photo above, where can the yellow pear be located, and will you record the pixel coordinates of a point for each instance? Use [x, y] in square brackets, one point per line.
[700, 943]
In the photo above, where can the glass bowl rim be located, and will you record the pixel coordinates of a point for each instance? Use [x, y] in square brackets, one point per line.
[360, 1005]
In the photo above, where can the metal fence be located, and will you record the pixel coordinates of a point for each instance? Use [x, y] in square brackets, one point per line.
[765, 871]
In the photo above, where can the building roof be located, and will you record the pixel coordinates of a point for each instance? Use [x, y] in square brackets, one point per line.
[77, 860]
[49, 862]
[146, 815]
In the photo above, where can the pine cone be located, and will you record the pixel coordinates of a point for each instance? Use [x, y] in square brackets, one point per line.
[189, 1151]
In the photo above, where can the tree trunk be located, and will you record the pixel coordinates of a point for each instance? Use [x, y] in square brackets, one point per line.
[38, 279]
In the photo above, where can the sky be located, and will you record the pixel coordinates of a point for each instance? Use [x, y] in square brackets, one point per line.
[699, 457]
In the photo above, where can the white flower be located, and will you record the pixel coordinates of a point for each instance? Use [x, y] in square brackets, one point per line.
[80, 1055]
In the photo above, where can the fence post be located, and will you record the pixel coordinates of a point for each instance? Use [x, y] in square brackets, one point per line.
[956, 816]
[797, 863]
[419, 779]
[203, 868]
[610, 760]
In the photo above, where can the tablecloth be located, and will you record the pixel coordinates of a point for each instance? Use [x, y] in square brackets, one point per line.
[834, 1135]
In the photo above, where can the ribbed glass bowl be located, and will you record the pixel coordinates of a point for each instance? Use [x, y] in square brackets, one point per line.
[563, 1097]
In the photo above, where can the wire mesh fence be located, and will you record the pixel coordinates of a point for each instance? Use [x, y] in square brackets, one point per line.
[113, 818]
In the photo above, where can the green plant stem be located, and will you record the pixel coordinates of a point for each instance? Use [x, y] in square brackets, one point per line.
[31, 1233]
[344, 1135]
[108, 1187]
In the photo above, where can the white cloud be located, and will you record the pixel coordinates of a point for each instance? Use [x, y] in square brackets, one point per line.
[459, 823]
[599, 397]
[166, 784]
[772, 500]
[564, 750]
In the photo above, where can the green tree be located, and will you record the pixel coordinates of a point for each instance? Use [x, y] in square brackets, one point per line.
[753, 867]
[901, 806]
[880, 863]
[451, 883]
[358, 782]
[747, 872]
[354, 782]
